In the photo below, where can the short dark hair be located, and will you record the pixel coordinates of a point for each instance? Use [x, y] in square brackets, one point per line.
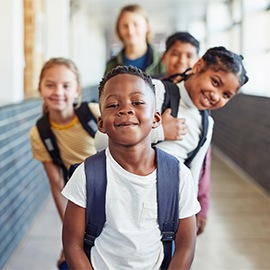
[126, 70]
[184, 37]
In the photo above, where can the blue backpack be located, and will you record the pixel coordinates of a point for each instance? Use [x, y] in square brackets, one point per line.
[167, 197]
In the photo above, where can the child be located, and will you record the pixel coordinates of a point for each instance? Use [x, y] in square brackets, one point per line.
[59, 86]
[210, 84]
[182, 52]
[133, 29]
[131, 236]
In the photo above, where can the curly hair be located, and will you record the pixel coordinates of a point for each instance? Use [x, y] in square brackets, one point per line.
[221, 58]
[126, 70]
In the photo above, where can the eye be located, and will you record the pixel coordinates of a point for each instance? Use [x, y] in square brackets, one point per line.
[49, 85]
[227, 95]
[112, 105]
[137, 103]
[215, 82]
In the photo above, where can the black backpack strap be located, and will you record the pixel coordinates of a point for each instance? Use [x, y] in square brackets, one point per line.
[171, 100]
[96, 183]
[87, 118]
[48, 138]
[171, 97]
[205, 124]
[168, 201]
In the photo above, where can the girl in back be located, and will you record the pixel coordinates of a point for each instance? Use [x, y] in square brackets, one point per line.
[59, 86]
[133, 29]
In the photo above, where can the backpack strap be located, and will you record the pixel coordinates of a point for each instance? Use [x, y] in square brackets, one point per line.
[96, 183]
[167, 196]
[171, 98]
[205, 124]
[87, 118]
[168, 201]
[49, 141]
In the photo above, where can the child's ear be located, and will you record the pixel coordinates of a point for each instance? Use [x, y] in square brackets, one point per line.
[156, 120]
[100, 125]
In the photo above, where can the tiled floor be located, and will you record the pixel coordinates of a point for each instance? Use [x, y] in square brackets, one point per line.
[237, 235]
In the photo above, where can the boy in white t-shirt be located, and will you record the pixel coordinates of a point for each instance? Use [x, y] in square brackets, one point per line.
[131, 238]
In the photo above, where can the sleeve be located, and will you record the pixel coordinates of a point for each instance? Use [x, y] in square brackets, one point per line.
[188, 203]
[75, 189]
[39, 150]
[205, 185]
[157, 134]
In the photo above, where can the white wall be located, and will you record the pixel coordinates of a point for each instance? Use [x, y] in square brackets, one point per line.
[56, 24]
[12, 51]
[88, 46]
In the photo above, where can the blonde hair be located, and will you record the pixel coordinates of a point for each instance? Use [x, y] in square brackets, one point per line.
[58, 62]
[136, 9]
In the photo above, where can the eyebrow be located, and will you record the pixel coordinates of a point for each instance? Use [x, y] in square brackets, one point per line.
[131, 94]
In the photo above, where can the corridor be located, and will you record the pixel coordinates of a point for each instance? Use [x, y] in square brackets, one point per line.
[237, 235]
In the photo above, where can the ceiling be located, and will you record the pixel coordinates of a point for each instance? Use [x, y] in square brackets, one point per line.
[165, 15]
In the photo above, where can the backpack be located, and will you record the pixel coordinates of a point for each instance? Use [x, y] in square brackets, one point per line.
[86, 118]
[171, 100]
[167, 197]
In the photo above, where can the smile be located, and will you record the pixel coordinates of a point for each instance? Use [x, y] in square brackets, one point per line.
[126, 124]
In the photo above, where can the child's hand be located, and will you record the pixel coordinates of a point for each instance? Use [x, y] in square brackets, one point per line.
[174, 128]
[177, 79]
[201, 222]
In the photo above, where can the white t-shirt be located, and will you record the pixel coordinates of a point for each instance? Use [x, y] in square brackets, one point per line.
[131, 237]
[181, 148]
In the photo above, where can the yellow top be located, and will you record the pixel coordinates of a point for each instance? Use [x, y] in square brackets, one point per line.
[74, 142]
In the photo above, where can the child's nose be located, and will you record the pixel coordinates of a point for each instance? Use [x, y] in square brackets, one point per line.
[58, 89]
[126, 110]
[215, 96]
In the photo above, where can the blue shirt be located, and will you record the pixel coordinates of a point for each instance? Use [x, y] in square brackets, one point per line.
[139, 62]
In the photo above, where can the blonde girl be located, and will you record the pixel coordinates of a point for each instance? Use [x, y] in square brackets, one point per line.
[134, 30]
[60, 86]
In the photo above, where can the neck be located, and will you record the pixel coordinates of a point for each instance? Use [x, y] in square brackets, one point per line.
[134, 51]
[61, 117]
[139, 160]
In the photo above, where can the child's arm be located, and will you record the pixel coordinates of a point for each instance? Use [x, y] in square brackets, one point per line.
[73, 237]
[204, 193]
[57, 183]
[185, 241]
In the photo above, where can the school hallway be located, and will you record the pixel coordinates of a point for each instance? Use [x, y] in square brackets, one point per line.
[237, 235]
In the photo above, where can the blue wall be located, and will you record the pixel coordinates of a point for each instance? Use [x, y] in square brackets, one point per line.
[23, 183]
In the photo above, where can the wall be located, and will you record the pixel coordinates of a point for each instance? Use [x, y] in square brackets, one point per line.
[12, 53]
[23, 182]
[242, 131]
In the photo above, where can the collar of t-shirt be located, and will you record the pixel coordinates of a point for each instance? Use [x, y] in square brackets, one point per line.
[140, 62]
[184, 95]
